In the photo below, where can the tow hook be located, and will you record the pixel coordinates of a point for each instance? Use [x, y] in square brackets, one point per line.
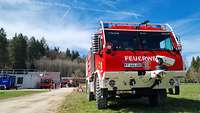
[156, 82]
[157, 77]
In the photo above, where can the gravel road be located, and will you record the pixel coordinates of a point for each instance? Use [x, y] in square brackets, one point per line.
[47, 102]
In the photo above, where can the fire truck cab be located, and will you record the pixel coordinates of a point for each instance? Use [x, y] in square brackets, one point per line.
[133, 59]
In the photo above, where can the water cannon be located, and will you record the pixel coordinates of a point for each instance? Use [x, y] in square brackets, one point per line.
[143, 23]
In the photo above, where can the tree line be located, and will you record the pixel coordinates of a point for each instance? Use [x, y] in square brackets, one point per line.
[21, 52]
[193, 73]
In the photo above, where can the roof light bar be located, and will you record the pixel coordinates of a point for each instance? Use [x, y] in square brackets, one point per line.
[165, 27]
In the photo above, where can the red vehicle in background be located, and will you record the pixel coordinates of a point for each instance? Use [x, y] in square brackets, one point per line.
[64, 83]
[135, 60]
[46, 83]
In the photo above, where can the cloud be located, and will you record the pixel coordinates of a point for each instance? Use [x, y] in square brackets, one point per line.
[191, 44]
[188, 58]
[187, 25]
[109, 3]
[64, 37]
[71, 35]
[62, 24]
[126, 13]
[44, 22]
[191, 47]
[15, 1]
[187, 29]
[66, 13]
[110, 11]
[190, 37]
[77, 5]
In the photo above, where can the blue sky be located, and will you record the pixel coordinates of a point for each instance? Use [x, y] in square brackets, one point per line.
[69, 23]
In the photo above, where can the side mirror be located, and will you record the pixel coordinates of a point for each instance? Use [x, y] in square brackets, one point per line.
[179, 46]
[96, 43]
[108, 48]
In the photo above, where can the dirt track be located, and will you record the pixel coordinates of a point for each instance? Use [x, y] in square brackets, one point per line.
[37, 103]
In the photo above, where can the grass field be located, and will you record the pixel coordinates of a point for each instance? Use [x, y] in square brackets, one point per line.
[187, 101]
[4, 94]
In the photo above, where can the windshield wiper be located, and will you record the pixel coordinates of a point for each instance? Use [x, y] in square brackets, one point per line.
[132, 50]
[162, 49]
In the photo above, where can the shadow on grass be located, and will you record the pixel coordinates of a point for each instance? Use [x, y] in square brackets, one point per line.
[172, 105]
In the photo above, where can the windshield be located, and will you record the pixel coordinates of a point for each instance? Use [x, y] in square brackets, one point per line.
[45, 81]
[137, 40]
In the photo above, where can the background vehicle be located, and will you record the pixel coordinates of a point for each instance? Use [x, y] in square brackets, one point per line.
[7, 81]
[64, 83]
[46, 83]
[73, 83]
[133, 59]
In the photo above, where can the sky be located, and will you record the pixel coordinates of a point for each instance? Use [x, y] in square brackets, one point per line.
[70, 23]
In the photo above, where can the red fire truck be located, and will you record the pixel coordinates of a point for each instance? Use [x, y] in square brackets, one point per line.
[133, 59]
[46, 83]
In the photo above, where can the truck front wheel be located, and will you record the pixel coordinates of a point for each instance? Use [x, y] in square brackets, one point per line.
[101, 96]
[158, 98]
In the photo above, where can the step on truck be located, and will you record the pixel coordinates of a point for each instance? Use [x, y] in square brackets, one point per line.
[133, 60]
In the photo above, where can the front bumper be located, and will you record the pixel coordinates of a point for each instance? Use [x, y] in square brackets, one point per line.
[129, 80]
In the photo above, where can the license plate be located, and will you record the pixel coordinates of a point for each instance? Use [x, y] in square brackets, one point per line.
[132, 65]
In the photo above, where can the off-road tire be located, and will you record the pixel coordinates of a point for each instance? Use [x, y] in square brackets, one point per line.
[101, 101]
[158, 98]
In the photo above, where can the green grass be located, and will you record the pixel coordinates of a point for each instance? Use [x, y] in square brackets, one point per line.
[187, 101]
[4, 94]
